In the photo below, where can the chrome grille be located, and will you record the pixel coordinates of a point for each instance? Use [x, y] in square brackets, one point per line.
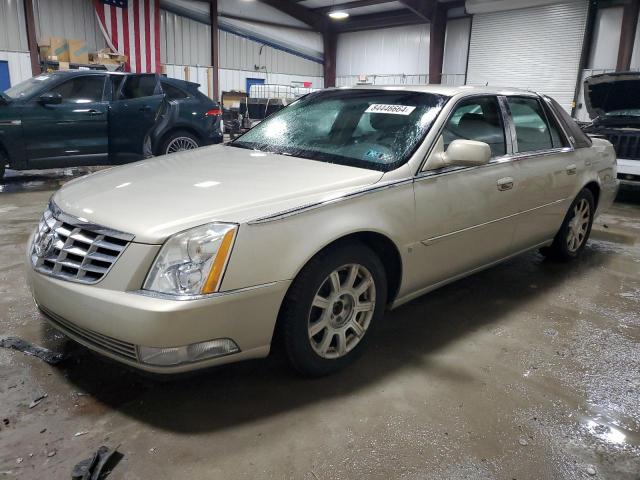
[626, 145]
[69, 248]
[95, 339]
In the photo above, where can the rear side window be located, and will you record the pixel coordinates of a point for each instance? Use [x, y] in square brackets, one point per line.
[81, 89]
[478, 118]
[173, 93]
[578, 137]
[138, 86]
[533, 131]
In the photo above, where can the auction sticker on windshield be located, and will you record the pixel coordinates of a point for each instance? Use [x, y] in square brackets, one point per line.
[392, 109]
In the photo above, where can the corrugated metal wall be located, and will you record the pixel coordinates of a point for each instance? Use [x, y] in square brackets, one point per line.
[239, 53]
[19, 66]
[184, 41]
[534, 48]
[69, 19]
[13, 32]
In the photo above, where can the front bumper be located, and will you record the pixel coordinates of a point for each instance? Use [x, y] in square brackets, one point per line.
[629, 172]
[113, 323]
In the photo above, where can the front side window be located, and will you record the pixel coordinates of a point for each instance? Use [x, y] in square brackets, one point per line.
[480, 119]
[138, 86]
[374, 129]
[533, 132]
[81, 89]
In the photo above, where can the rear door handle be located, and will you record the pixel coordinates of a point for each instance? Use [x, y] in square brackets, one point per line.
[505, 183]
[145, 108]
[571, 169]
[95, 112]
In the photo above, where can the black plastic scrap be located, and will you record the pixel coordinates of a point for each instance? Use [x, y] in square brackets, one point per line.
[98, 466]
[15, 343]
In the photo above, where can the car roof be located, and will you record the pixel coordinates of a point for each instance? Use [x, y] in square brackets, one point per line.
[73, 73]
[448, 91]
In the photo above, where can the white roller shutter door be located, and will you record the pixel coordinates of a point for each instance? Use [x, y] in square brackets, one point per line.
[535, 48]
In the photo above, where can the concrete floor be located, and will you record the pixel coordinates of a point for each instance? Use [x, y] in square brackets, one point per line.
[529, 370]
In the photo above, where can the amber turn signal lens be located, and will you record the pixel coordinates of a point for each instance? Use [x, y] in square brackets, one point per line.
[217, 269]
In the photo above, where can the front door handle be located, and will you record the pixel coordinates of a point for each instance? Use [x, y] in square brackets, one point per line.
[505, 183]
[95, 112]
[572, 169]
[145, 108]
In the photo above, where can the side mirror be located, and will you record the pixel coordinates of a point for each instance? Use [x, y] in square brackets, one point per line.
[466, 153]
[50, 98]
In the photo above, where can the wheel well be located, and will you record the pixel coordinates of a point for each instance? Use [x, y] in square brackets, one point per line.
[386, 251]
[595, 190]
[3, 153]
[174, 130]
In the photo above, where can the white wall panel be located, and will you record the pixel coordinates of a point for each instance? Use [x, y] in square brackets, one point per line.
[184, 41]
[400, 50]
[635, 57]
[456, 46]
[236, 79]
[606, 38]
[69, 19]
[19, 66]
[13, 30]
[535, 48]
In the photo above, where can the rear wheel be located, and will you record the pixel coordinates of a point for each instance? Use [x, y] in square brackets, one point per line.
[331, 308]
[179, 141]
[3, 164]
[576, 227]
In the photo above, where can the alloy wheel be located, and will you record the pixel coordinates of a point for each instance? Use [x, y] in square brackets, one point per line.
[341, 311]
[578, 225]
[180, 144]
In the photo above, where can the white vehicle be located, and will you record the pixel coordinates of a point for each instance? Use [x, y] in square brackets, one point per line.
[310, 225]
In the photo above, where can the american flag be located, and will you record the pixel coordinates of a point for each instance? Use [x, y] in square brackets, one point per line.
[132, 28]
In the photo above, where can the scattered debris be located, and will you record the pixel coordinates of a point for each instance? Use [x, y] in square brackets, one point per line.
[52, 453]
[5, 421]
[98, 466]
[152, 450]
[15, 343]
[37, 400]
[591, 470]
[19, 460]
[79, 434]
[43, 430]
[523, 442]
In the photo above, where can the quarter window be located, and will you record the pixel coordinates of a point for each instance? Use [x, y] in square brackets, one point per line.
[479, 119]
[81, 89]
[533, 132]
[173, 93]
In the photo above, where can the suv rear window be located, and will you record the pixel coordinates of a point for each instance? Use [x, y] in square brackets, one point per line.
[137, 86]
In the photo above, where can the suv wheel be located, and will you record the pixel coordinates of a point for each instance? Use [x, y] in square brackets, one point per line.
[331, 307]
[178, 142]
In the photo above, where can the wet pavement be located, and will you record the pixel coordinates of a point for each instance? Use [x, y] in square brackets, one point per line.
[529, 370]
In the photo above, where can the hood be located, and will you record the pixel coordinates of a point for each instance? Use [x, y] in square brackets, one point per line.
[610, 92]
[156, 198]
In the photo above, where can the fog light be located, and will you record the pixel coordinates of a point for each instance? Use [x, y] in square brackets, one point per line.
[187, 354]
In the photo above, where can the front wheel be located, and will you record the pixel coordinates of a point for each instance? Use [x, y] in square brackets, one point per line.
[331, 308]
[576, 227]
[178, 142]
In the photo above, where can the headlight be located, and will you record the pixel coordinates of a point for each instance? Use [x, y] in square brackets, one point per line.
[192, 262]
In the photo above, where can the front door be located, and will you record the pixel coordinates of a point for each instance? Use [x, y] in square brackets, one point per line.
[133, 114]
[464, 214]
[72, 132]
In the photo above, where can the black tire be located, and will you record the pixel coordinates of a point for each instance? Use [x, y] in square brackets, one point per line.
[297, 308]
[3, 163]
[175, 136]
[562, 249]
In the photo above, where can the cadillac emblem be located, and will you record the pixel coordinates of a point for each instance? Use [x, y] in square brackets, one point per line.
[43, 243]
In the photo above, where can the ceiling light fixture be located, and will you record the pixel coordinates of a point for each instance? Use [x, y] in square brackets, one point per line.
[338, 15]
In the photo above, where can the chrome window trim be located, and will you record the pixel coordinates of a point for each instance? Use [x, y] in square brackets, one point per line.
[567, 136]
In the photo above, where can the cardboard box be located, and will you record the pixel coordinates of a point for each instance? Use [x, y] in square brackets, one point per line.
[106, 57]
[78, 51]
[54, 48]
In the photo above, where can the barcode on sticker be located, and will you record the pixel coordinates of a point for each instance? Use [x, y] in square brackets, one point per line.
[392, 109]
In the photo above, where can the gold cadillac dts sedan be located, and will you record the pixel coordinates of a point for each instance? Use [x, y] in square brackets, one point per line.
[345, 203]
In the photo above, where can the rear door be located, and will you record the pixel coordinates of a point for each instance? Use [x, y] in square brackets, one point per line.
[546, 166]
[73, 132]
[133, 114]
